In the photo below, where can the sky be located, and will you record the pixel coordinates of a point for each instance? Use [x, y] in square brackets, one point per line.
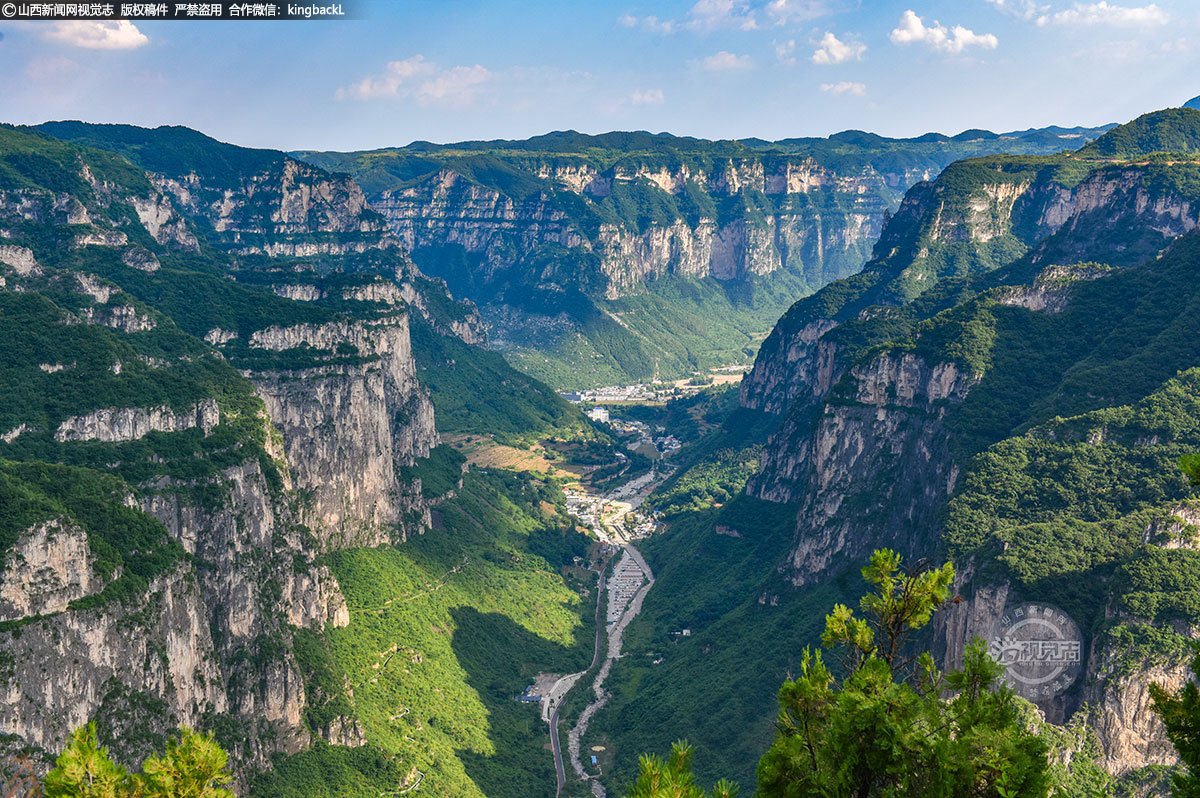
[453, 70]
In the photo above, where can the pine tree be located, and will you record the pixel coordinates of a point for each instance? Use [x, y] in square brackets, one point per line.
[84, 770]
[1190, 464]
[886, 728]
[893, 726]
[194, 766]
[672, 778]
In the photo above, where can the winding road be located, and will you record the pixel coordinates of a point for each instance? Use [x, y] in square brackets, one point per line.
[610, 523]
[554, 744]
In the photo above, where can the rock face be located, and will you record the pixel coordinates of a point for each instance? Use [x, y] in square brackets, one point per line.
[288, 208]
[800, 367]
[992, 221]
[49, 566]
[346, 428]
[445, 208]
[876, 460]
[66, 668]
[1131, 734]
[20, 260]
[296, 461]
[864, 447]
[1115, 687]
[255, 551]
[113, 425]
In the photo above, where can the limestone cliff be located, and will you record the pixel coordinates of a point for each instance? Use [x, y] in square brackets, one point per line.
[872, 471]
[172, 598]
[347, 427]
[1005, 358]
[976, 217]
[447, 208]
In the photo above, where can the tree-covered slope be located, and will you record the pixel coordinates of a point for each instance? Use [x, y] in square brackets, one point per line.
[981, 214]
[1173, 130]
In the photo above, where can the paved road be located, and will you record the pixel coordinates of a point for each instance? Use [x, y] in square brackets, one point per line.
[554, 745]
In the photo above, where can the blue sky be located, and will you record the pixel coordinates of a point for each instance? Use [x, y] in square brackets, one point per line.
[448, 70]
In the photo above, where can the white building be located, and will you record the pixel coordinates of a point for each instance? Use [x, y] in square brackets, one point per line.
[599, 414]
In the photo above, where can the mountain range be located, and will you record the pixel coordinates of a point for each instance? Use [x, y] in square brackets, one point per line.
[611, 259]
[238, 386]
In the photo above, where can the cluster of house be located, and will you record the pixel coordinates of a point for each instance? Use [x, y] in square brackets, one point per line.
[640, 392]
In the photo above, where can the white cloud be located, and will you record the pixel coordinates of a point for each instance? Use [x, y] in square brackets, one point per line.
[458, 86]
[710, 15]
[396, 77]
[650, 23]
[422, 80]
[647, 97]
[1104, 14]
[726, 62]
[833, 50]
[707, 15]
[119, 35]
[782, 12]
[947, 40]
[1025, 9]
[845, 87]
[785, 51]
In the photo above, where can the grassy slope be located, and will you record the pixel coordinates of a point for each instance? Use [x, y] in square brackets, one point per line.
[677, 326]
[476, 391]
[464, 643]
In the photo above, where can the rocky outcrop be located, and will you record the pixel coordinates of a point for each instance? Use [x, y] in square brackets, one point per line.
[875, 459]
[800, 367]
[301, 292]
[69, 668]
[20, 260]
[346, 428]
[125, 318]
[48, 567]
[141, 259]
[1112, 690]
[287, 208]
[101, 238]
[118, 424]
[14, 433]
[1180, 529]
[163, 223]
[216, 336]
[258, 572]
[1130, 732]
[1076, 224]
[1118, 191]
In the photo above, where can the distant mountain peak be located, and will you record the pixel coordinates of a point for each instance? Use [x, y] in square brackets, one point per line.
[1169, 130]
[1193, 103]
